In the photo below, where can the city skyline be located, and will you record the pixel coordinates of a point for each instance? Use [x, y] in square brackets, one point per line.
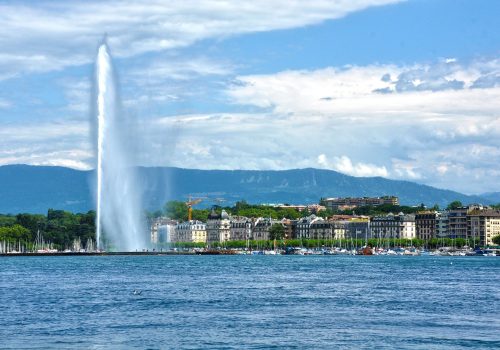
[399, 89]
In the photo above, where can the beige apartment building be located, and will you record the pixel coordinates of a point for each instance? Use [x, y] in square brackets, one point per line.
[191, 231]
[484, 224]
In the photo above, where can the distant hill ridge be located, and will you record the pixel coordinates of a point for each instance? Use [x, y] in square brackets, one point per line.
[34, 189]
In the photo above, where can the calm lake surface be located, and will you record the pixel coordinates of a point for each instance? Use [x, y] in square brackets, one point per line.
[251, 302]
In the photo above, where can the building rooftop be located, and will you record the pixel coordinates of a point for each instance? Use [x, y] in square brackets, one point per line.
[485, 212]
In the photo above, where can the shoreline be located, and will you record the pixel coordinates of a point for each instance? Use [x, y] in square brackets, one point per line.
[173, 253]
[96, 253]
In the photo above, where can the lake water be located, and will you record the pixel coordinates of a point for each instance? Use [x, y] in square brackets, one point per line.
[250, 302]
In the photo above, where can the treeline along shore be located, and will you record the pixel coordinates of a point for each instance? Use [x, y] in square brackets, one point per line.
[61, 230]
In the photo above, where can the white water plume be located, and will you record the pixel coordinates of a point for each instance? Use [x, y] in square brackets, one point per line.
[118, 220]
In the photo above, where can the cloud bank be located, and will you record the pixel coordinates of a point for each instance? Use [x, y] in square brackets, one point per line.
[443, 134]
[46, 36]
[437, 122]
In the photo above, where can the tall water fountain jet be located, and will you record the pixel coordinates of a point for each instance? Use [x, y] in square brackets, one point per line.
[118, 200]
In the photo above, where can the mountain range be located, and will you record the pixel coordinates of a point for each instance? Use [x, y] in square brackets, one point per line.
[35, 189]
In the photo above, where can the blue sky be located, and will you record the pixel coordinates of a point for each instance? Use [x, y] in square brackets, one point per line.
[400, 89]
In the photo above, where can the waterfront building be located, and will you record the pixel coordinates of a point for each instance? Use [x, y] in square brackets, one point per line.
[304, 224]
[457, 223]
[358, 228]
[260, 230]
[408, 231]
[241, 228]
[393, 226]
[340, 229]
[484, 224]
[457, 220]
[191, 231]
[313, 208]
[218, 227]
[342, 217]
[316, 208]
[298, 207]
[290, 228]
[162, 230]
[442, 223]
[350, 203]
[426, 223]
[321, 229]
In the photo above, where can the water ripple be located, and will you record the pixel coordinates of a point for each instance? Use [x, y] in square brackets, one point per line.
[249, 302]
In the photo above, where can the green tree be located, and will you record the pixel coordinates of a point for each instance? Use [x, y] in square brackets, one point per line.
[176, 210]
[32, 222]
[58, 227]
[7, 220]
[454, 205]
[277, 231]
[200, 214]
[14, 233]
[496, 240]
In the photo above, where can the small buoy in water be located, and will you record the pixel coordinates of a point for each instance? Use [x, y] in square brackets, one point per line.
[137, 292]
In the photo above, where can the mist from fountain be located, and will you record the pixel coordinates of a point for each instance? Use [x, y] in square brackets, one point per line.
[118, 217]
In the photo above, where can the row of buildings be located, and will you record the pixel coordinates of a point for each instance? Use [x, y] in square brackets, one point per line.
[346, 203]
[473, 221]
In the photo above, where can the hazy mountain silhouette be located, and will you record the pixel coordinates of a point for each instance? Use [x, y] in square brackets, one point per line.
[34, 189]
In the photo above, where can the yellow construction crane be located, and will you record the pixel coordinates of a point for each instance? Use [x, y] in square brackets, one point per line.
[190, 203]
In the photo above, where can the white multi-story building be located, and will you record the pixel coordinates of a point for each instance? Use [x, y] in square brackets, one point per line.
[218, 227]
[409, 230]
[163, 230]
[191, 231]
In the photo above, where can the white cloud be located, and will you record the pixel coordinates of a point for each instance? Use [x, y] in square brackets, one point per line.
[52, 35]
[170, 68]
[402, 149]
[442, 168]
[64, 159]
[77, 92]
[346, 166]
[356, 90]
[35, 132]
[409, 120]
[171, 79]
[63, 143]
[406, 169]
[445, 137]
[4, 103]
